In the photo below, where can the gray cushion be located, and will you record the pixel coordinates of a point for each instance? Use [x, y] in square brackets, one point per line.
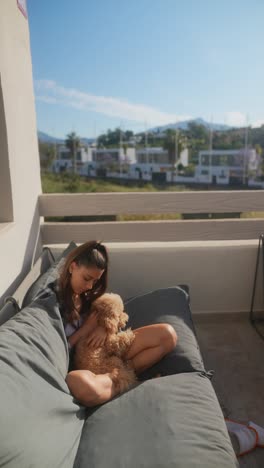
[40, 423]
[173, 421]
[9, 309]
[48, 276]
[170, 305]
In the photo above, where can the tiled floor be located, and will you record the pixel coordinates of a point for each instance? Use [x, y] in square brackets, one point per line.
[234, 350]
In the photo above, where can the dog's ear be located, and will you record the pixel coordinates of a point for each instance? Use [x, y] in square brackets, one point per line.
[108, 319]
[123, 318]
[110, 325]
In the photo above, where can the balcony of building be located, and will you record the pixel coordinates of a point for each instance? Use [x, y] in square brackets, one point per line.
[216, 258]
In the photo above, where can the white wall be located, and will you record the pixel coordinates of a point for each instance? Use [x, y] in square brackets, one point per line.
[220, 274]
[131, 155]
[18, 239]
[184, 157]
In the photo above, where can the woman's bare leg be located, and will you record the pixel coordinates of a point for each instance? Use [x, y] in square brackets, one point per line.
[151, 343]
[90, 389]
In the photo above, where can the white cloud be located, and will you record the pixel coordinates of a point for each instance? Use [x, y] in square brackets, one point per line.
[110, 106]
[236, 119]
[45, 84]
[258, 123]
[47, 99]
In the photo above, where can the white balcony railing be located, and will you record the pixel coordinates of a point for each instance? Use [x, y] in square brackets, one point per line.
[54, 205]
[215, 257]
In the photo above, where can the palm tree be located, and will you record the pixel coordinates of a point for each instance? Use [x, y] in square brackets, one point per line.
[73, 143]
[170, 145]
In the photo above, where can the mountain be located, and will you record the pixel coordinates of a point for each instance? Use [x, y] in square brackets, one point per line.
[184, 125]
[45, 138]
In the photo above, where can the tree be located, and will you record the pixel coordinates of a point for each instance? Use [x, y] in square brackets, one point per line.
[198, 139]
[169, 144]
[198, 131]
[112, 137]
[128, 134]
[47, 154]
[73, 143]
[258, 149]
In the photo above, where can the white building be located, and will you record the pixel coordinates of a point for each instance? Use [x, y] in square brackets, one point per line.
[106, 156]
[107, 161]
[158, 155]
[153, 164]
[90, 159]
[150, 171]
[226, 166]
[64, 161]
[152, 155]
[82, 153]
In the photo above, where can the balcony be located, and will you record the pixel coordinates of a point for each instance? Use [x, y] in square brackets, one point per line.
[215, 257]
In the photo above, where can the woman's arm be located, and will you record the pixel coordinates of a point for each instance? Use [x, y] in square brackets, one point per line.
[88, 326]
[97, 337]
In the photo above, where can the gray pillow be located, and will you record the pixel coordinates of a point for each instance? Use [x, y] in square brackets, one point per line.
[40, 422]
[9, 309]
[173, 421]
[49, 276]
[170, 305]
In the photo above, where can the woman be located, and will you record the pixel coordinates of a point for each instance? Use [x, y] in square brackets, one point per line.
[82, 280]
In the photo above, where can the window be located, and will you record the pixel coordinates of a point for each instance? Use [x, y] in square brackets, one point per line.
[205, 160]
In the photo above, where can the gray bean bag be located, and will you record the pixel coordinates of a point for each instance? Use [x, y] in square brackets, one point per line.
[172, 421]
[168, 422]
[170, 305]
[40, 423]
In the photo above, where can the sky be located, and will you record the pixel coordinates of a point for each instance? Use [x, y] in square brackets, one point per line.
[102, 64]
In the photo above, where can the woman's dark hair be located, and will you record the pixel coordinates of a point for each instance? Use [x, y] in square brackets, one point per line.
[90, 254]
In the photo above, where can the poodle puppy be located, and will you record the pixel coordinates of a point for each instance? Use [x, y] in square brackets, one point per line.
[110, 358]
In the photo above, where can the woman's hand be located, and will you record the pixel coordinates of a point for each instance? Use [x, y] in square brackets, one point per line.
[90, 322]
[85, 330]
[97, 337]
